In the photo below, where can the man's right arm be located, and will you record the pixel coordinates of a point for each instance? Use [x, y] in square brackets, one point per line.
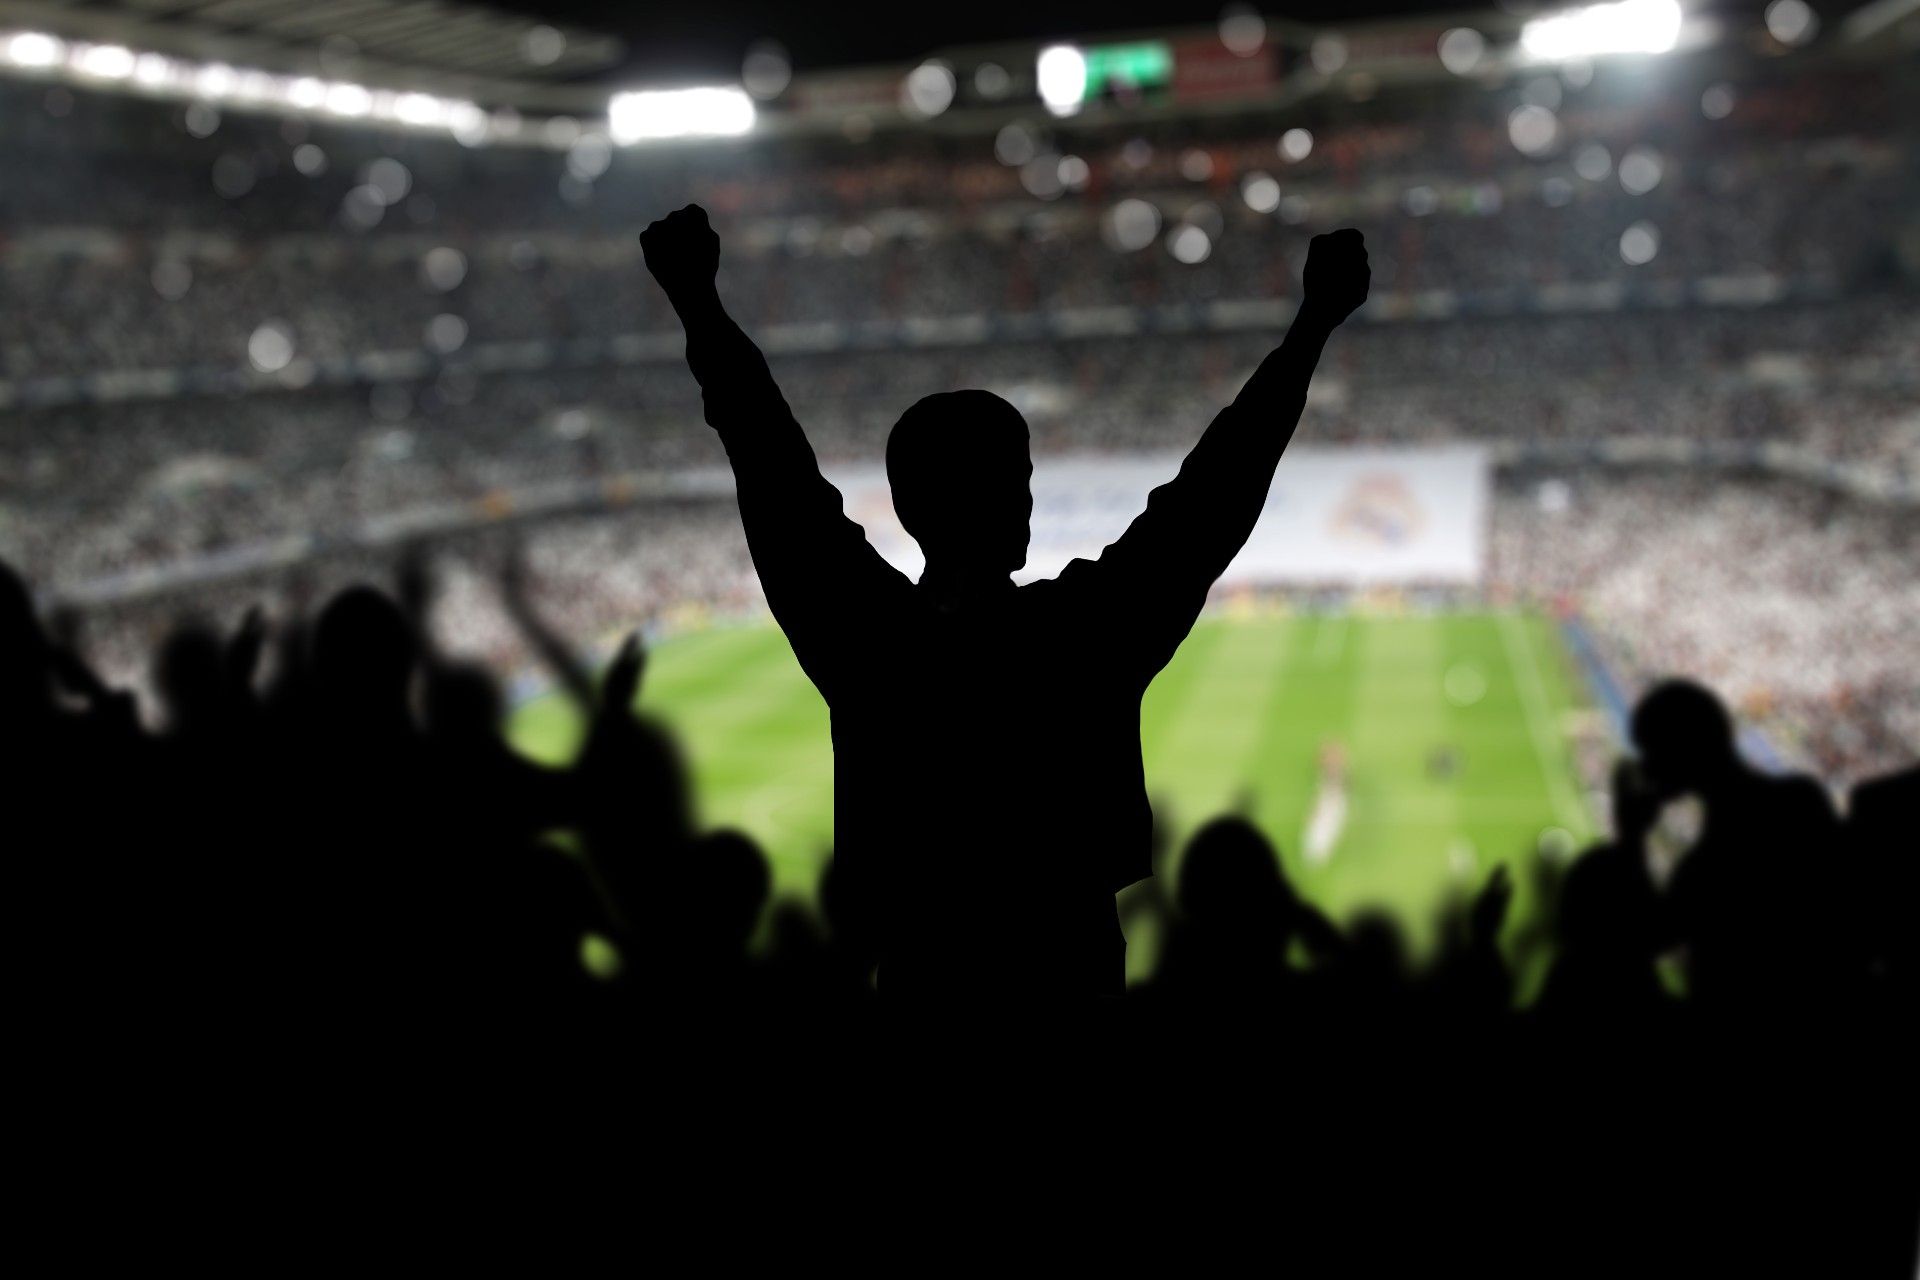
[814, 563]
[1159, 571]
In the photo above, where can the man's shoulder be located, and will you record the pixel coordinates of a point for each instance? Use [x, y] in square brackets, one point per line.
[1078, 572]
[1070, 589]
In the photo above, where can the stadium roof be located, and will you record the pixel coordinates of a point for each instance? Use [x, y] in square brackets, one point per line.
[645, 72]
[667, 40]
[460, 50]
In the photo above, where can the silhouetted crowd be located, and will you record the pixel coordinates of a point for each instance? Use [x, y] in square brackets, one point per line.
[317, 841]
[327, 806]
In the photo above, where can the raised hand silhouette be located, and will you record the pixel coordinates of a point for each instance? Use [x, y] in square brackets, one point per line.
[1337, 275]
[682, 252]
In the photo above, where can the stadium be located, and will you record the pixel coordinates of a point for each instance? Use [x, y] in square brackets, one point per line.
[294, 292]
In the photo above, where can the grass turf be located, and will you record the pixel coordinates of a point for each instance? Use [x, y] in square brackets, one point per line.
[1238, 720]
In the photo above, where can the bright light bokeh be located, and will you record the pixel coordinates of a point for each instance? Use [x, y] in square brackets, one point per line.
[215, 80]
[1131, 225]
[107, 61]
[1533, 130]
[766, 71]
[1189, 244]
[348, 100]
[1791, 22]
[1461, 49]
[270, 349]
[929, 88]
[1242, 30]
[420, 109]
[1061, 74]
[33, 49]
[1260, 191]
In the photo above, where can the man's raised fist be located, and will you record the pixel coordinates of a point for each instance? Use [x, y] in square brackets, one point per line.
[682, 251]
[1337, 274]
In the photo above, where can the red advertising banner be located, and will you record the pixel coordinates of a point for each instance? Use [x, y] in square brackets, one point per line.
[1205, 69]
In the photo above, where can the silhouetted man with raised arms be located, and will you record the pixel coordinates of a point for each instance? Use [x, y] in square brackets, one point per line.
[989, 797]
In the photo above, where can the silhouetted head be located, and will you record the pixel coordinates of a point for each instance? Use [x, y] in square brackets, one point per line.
[362, 653]
[23, 648]
[1377, 947]
[727, 888]
[1684, 736]
[462, 705]
[189, 674]
[962, 482]
[1231, 873]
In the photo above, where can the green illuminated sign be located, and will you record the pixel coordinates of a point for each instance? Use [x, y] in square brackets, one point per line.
[1145, 65]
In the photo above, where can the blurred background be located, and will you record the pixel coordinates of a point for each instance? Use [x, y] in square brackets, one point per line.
[290, 289]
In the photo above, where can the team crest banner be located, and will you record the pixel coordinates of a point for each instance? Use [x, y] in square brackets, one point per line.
[1356, 517]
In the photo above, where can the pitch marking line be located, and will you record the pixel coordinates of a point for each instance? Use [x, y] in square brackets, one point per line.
[1329, 639]
[1533, 692]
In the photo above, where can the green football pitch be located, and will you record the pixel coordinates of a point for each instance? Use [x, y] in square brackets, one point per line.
[1453, 728]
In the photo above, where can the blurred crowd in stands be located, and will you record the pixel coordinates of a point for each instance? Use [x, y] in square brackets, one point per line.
[1799, 605]
[130, 303]
[98, 489]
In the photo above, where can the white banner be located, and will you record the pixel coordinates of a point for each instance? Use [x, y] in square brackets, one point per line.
[1333, 517]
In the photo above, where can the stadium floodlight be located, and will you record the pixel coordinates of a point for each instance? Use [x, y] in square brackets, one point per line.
[107, 66]
[1628, 26]
[1061, 75]
[215, 80]
[679, 113]
[468, 123]
[106, 61]
[307, 93]
[345, 99]
[33, 49]
[259, 86]
[419, 109]
[153, 71]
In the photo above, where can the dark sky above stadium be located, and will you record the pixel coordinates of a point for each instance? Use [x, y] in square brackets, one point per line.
[690, 39]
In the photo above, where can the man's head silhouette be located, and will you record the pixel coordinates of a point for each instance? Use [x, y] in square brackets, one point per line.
[1685, 737]
[23, 649]
[363, 655]
[962, 483]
